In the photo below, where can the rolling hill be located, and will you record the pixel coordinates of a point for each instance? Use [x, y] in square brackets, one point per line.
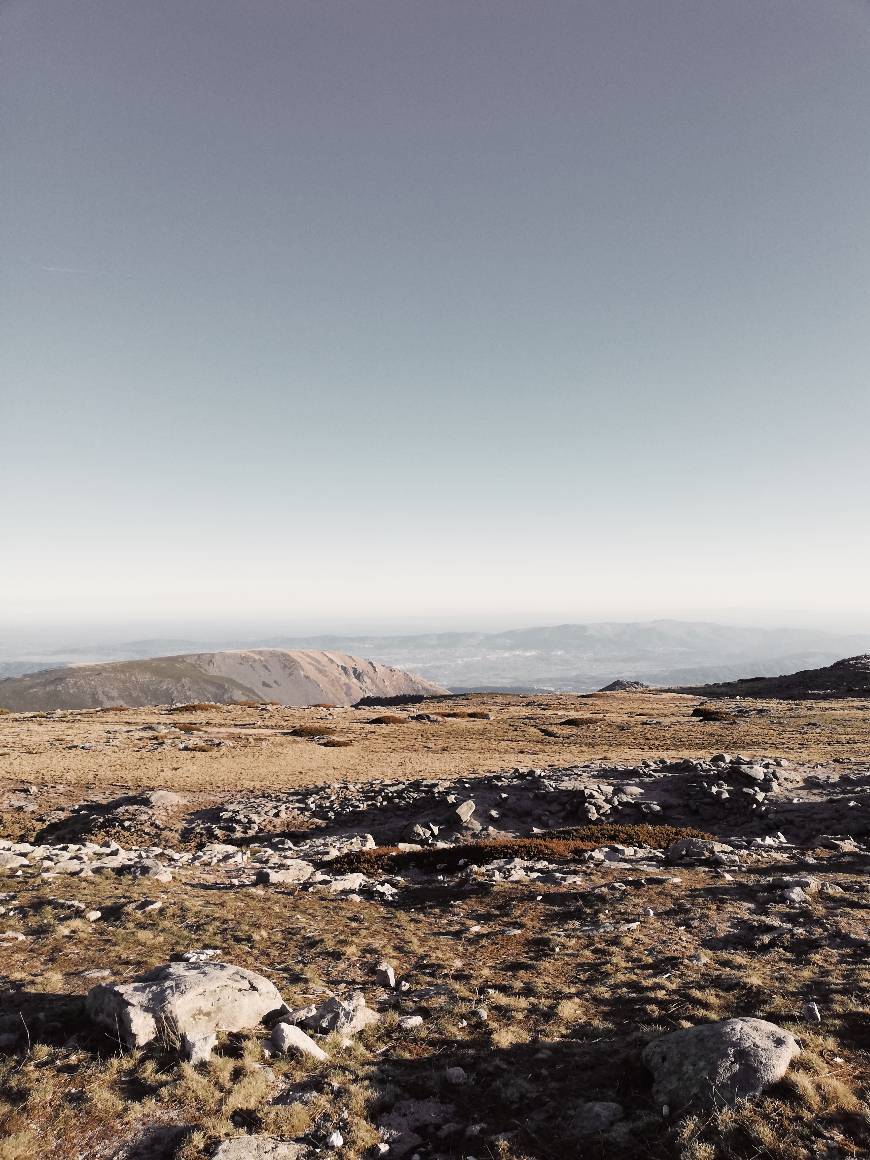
[845, 678]
[303, 677]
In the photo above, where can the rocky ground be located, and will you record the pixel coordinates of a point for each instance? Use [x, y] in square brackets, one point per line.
[647, 941]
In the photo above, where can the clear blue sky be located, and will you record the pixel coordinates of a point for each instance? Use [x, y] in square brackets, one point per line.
[434, 308]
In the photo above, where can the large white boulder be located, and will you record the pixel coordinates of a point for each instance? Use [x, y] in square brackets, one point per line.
[194, 1000]
[718, 1063]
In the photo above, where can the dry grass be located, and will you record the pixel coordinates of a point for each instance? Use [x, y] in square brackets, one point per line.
[36, 748]
[568, 997]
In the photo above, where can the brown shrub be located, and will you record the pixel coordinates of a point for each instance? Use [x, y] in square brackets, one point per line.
[336, 742]
[559, 845]
[388, 719]
[317, 729]
[714, 713]
[577, 722]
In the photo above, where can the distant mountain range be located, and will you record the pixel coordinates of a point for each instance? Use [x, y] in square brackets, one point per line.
[845, 678]
[290, 678]
[570, 657]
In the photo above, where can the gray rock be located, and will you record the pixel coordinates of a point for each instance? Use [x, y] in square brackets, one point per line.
[464, 811]
[347, 884]
[410, 1022]
[287, 1038]
[386, 975]
[811, 1013]
[594, 1116]
[347, 1015]
[260, 1148]
[163, 799]
[290, 873]
[198, 1048]
[718, 1063]
[10, 862]
[695, 850]
[400, 1128]
[194, 999]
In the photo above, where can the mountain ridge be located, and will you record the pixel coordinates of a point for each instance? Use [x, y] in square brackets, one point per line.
[849, 677]
[289, 677]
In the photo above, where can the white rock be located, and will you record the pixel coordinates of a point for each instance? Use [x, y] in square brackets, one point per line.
[287, 1037]
[260, 1148]
[410, 1022]
[196, 998]
[289, 873]
[347, 884]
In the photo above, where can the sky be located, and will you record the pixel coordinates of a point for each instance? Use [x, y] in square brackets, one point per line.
[332, 312]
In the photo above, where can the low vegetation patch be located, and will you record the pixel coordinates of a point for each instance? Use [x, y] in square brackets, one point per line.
[319, 729]
[715, 713]
[558, 846]
[469, 714]
[387, 719]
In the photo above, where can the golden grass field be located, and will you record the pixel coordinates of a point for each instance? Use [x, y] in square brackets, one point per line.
[521, 731]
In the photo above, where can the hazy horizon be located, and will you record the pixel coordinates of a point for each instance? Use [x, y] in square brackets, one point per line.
[403, 313]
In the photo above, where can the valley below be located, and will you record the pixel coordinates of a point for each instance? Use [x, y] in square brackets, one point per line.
[471, 926]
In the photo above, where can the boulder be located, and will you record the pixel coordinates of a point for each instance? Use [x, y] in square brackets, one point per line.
[193, 999]
[718, 1063]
